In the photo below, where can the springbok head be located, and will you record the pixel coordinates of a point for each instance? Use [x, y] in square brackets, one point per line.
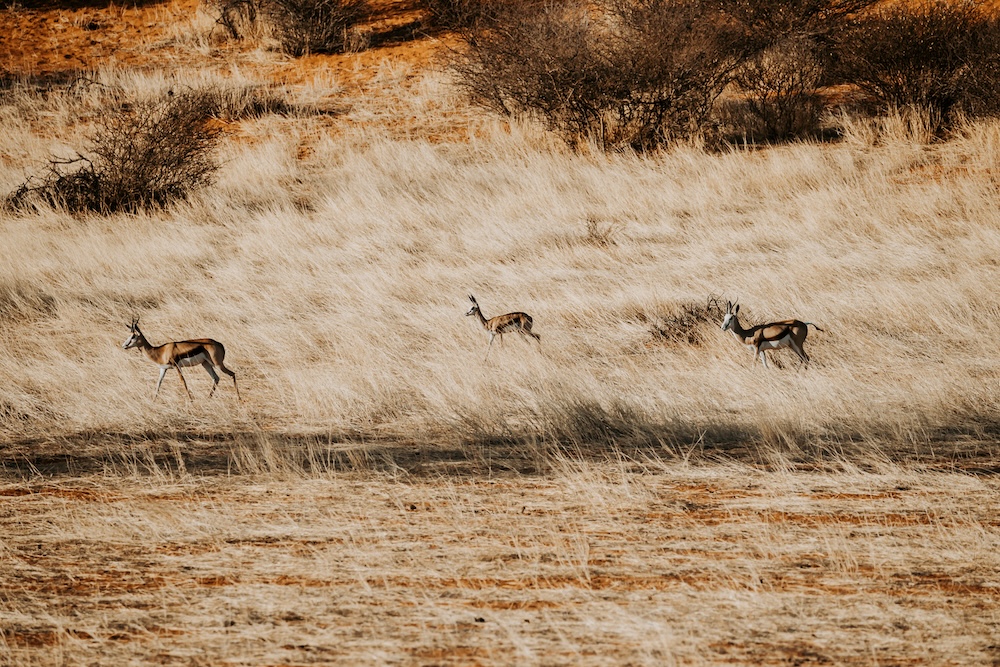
[474, 308]
[135, 335]
[731, 311]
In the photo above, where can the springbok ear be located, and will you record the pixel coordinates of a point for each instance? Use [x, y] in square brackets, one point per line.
[737, 309]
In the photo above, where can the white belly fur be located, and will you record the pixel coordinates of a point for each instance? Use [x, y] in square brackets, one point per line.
[786, 341]
[196, 360]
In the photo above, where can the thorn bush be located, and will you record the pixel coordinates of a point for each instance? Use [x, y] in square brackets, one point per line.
[143, 154]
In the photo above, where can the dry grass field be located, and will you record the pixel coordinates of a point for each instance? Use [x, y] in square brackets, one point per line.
[630, 491]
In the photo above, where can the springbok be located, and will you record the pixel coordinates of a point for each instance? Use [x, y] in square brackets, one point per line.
[501, 324]
[770, 336]
[205, 351]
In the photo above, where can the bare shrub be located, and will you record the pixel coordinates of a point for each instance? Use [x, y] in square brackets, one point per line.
[238, 102]
[314, 26]
[143, 154]
[602, 234]
[678, 324]
[776, 92]
[639, 74]
[238, 17]
[675, 59]
[769, 22]
[545, 61]
[457, 14]
[299, 26]
[466, 15]
[934, 55]
[687, 324]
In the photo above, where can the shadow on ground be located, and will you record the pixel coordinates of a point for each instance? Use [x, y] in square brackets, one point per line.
[259, 452]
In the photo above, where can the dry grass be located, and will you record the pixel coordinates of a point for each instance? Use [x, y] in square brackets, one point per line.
[631, 492]
[590, 565]
[335, 266]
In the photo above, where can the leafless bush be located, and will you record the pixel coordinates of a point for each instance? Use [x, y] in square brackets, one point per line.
[314, 26]
[602, 234]
[687, 323]
[775, 90]
[300, 26]
[543, 61]
[934, 55]
[770, 22]
[142, 155]
[675, 59]
[466, 15]
[776, 93]
[457, 14]
[237, 102]
[629, 73]
[678, 324]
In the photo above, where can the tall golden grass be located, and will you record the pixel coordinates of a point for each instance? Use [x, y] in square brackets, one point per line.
[334, 265]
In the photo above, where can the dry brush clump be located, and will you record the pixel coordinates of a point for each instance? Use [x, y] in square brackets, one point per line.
[678, 57]
[687, 323]
[463, 15]
[650, 73]
[300, 27]
[776, 94]
[627, 74]
[315, 26]
[150, 141]
[682, 324]
[543, 61]
[936, 56]
[142, 154]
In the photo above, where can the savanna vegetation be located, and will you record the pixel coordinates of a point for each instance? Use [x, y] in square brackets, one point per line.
[632, 490]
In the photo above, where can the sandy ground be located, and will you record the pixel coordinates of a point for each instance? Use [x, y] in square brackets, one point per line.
[589, 564]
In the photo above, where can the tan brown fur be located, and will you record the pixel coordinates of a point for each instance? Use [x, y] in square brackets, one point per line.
[769, 336]
[209, 353]
[501, 324]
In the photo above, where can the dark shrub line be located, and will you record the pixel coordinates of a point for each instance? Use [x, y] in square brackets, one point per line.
[937, 56]
[647, 73]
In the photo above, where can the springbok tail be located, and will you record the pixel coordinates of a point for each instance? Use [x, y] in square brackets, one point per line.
[808, 324]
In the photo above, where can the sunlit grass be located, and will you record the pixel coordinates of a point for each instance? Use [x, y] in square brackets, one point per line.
[335, 268]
